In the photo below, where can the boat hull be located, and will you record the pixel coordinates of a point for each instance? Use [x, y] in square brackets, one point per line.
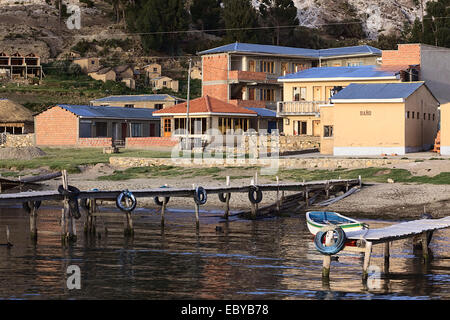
[348, 226]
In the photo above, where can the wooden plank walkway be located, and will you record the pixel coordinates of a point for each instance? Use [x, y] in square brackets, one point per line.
[400, 230]
[13, 198]
[420, 231]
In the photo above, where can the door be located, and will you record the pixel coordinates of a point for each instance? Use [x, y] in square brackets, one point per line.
[317, 93]
[300, 128]
[328, 93]
[152, 130]
[316, 128]
[124, 130]
[272, 125]
[167, 127]
[251, 66]
[251, 94]
[284, 68]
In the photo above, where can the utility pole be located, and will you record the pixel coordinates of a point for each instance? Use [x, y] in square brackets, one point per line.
[187, 103]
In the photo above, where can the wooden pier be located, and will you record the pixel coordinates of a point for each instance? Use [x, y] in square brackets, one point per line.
[420, 231]
[306, 193]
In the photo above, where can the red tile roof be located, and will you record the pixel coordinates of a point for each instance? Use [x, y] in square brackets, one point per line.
[205, 104]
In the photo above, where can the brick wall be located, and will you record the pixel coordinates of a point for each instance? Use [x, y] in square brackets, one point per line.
[56, 127]
[215, 67]
[148, 142]
[94, 142]
[406, 54]
[218, 91]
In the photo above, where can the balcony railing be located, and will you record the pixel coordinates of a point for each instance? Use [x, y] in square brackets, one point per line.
[299, 107]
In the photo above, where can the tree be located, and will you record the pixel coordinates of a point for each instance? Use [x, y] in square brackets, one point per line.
[435, 26]
[241, 20]
[279, 13]
[206, 14]
[160, 22]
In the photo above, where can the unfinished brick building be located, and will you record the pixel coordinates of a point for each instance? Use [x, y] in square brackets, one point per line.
[17, 66]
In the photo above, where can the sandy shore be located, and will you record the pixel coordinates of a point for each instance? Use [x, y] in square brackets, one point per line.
[375, 201]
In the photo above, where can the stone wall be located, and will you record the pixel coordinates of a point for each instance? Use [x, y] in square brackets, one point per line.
[18, 140]
[297, 163]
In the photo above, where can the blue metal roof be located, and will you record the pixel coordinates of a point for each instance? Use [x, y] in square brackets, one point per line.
[291, 51]
[263, 112]
[110, 112]
[377, 91]
[370, 71]
[137, 98]
[345, 51]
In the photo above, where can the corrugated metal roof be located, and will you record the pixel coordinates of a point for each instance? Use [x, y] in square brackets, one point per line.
[263, 112]
[110, 112]
[370, 71]
[344, 51]
[291, 51]
[137, 98]
[377, 91]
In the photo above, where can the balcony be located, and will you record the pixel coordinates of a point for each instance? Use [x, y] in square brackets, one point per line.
[250, 76]
[299, 108]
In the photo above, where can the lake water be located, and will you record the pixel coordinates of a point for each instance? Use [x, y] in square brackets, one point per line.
[264, 259]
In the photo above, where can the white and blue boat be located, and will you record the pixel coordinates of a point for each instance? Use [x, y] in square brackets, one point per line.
[316, 220]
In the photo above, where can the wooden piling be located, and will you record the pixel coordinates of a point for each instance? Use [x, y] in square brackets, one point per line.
[424, 241]
[278, 196]
[327, 189]
[367, 254]
[128, 230]
[227, 200]
[33, 221]
[163, 213]
[386, 257]
[70, 234]
[90, 224]
[326, 258]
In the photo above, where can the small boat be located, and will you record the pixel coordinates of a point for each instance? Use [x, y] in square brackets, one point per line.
[316, 220]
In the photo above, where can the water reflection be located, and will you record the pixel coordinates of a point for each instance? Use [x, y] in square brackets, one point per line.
[263, 259]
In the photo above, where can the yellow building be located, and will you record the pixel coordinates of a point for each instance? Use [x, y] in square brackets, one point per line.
[379, 118]
[445, 129]
[304, 91]
[88, 64]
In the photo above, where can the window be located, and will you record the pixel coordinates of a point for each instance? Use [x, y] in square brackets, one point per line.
[164, 83]
[300, 128]
[327, 131]
[407, 114]
[429, 116]
[85, 129]
[137, 130]
[129, 106]
[433, 116]
[299, 93]
[296, 67]
[412, 113]
[267, 94]
[101, 129]
[159, 106]
[354, 64]
[424, 116]
[180, 123]
[155, 69]
[167, 125]
[266, 66]
[418, 115]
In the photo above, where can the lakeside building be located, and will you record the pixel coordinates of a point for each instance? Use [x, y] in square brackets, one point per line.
[93, 126]
[379, 118]
[246, 74]
[211, 113]
[305, 91]
[15, 118]
[153, 101]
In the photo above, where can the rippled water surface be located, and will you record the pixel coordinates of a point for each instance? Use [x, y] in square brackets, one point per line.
[263, 259]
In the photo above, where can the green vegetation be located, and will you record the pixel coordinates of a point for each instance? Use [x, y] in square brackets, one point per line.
[71, 158]
[367, 175]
